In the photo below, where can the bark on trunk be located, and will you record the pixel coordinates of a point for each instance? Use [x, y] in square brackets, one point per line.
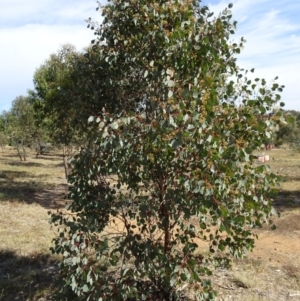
[24, 151]
[65, 159]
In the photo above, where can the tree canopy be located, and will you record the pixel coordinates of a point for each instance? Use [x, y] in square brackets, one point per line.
[288, 133]
[18, 125]
[167, 165]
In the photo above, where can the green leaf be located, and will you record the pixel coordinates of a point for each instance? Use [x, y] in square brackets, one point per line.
[170, 83]
[91, 119]
[174, 143]
[114, 125]
[203, 226]
[183, 277]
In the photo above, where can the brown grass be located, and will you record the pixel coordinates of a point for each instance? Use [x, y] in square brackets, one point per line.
[28, 271]
[27, 190]
[272, 270]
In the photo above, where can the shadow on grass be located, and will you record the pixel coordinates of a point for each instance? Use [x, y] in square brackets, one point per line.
[36, 278]
[19, 191]
[9, 155]
[50, 157]
[291, 178]
[48, 196]
[59, 164]
[12, 174]
[26, 163]
[31, 277]
[287, 199]
[31, 155]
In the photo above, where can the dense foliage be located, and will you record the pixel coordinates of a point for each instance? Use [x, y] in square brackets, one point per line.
[69, 89]
[166, 186]
[17, 126]
[288, 133]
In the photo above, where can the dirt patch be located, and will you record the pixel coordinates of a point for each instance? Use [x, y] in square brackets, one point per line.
[272, 271]
[29, 189]
[52, 198]
[289, 224]
[27, 277]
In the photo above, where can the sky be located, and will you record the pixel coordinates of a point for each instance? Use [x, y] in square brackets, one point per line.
[33, 29]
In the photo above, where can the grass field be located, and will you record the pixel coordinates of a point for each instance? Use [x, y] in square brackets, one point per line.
[28, 190]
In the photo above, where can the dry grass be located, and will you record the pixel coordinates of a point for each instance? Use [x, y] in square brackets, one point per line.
[24, 228]
[244, 279]
[287, 164]
[272, 271]
[27, 191]
[30, 277]
[28, 271]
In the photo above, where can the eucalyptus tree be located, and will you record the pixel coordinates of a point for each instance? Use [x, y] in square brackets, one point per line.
[170, 191]
[53, 103]
[20, 124]
[69, 89]
[289, 133]
[3, 138]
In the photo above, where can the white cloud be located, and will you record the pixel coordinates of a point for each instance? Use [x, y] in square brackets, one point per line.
[272, 31]
[31, 30]
[27, 47]
[14, 13]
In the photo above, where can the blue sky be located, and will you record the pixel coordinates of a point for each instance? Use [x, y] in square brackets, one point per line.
[33, 29]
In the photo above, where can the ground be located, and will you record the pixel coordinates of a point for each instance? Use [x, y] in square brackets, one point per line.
[28, 190]
[272, 270]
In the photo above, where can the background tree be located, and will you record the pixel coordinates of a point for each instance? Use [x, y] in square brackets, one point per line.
[289, 132]
[69, 89]
[54, 104]
[3, 138]
[175, 172]
[20, 124]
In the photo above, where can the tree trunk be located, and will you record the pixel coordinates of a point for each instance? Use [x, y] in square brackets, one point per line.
[39, 147]
[23, 151]
[17, 146]
[19, 153]
[65, 159]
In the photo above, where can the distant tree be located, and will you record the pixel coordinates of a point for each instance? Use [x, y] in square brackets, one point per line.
[3, 140]
[54, 99]
[71, 86]
[289, 131]
[69, 89]
[20, 124]
[298, 119]
[2, 122]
